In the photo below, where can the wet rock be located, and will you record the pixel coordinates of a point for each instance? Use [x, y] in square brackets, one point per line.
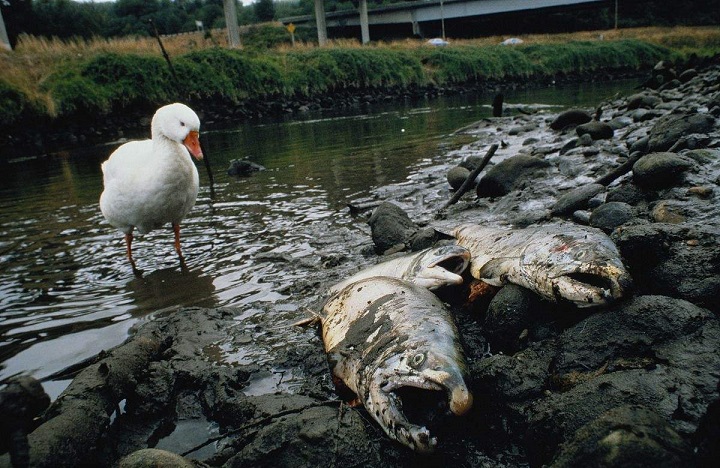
[510, 311]
[669, 129]
[576, 199]
[658, 170]
[706, 437]
[423, 238]
[642, 100]
[570, 117]
[243, 168]
[626, 436]
[310, 437]
[585, 139]
[643, 115]
[21, 401]
[675, 260]
[154, 458]
[619, 357]
[688, 75]
[628, 193]
[665, 212]
[510, 174]
[390, 226]
[640, 145]
[610, 215]
[596, 130]
[456, 176]
[620, 122]
[471, 163]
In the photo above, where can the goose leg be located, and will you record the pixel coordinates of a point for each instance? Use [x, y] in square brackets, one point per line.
[128, 243]
[176, 230]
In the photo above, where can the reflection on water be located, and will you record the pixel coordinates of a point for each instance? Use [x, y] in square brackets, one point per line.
[67, 290]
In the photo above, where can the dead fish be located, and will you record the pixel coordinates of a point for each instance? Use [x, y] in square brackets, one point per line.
[430, 268]
[560, 262]
[395, 346]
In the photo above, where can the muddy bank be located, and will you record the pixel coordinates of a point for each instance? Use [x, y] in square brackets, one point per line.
[632, 384]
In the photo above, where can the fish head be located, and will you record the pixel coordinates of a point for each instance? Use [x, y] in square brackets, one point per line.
[440, 266]
[416, 389]
[582, 267]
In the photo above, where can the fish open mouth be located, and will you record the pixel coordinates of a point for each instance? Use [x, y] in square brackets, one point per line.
[588, 289]
[423, 406]
[455, 264]
[420, 406]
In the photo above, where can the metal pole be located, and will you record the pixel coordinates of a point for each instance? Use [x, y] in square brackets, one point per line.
[442, 18]
[4, 41]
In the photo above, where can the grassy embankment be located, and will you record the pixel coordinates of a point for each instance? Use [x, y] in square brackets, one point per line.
[52, 80]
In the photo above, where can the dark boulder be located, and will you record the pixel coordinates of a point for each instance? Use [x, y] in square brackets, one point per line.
[456, 176]
[569, 118]
[510, 174]
[674, 260]
[642, 100]
[390, 226]
[596, 130]
[671, 128]
[576, 199]
[609, 216]
[625, 436]
[658, 170]
[243, 168]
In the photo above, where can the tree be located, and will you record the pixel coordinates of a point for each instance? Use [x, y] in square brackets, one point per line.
[264, 10]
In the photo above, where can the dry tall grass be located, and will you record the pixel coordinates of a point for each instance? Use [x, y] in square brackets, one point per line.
[34, 58]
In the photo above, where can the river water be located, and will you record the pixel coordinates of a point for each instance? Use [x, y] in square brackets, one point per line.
[67, 291]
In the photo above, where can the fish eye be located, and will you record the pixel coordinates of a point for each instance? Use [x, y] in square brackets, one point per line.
[417, 360]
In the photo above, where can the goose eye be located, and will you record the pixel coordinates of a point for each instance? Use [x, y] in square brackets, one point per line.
[417, 360]
[182, 124]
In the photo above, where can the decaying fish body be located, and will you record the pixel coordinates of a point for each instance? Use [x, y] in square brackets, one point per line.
[389, 340]
[430, 268]
[558, 261]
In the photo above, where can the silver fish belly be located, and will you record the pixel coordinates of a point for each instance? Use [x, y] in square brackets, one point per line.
[430, 268]
[388, 339]
[560, 262]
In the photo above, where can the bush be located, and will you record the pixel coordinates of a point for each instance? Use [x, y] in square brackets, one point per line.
[14, 105]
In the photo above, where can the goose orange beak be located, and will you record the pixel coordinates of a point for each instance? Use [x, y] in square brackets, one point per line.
[192, 143]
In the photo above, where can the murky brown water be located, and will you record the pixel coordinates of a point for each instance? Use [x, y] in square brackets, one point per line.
[67, 291]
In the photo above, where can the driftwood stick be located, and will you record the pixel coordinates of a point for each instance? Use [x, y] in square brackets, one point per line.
[471, 178]
[625, 167]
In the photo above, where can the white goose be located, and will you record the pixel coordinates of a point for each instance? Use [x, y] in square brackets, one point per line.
[152, 182]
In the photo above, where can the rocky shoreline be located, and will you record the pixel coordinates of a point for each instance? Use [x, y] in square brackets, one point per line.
[633, 384]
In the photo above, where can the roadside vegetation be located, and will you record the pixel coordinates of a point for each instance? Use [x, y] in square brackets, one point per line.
[51, 79]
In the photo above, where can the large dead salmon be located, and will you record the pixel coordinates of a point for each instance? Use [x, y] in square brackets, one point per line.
[557, 261]
[395, 345]
[430, 268]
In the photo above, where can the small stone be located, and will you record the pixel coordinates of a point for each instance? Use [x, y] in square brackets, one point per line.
[570, 118]
[611, 215]
[663, 212]
[457, 176]
[596, 130]
[658, 170]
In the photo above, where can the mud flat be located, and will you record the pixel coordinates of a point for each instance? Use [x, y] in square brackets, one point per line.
[631, 384]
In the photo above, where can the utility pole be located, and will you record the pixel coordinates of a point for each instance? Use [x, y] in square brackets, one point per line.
[616, 13]
[320, 20]
[4, 41]
[232, 23]
[364, 22]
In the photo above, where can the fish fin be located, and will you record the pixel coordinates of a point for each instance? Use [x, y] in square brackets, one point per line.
[494, 271]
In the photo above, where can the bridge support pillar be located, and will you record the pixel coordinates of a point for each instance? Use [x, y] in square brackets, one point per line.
[417, 31]
[320, 21]
[364, 22]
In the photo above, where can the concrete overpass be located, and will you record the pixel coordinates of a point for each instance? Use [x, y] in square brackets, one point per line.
[420, 13]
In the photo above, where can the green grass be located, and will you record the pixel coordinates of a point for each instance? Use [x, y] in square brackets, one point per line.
[109, 82]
